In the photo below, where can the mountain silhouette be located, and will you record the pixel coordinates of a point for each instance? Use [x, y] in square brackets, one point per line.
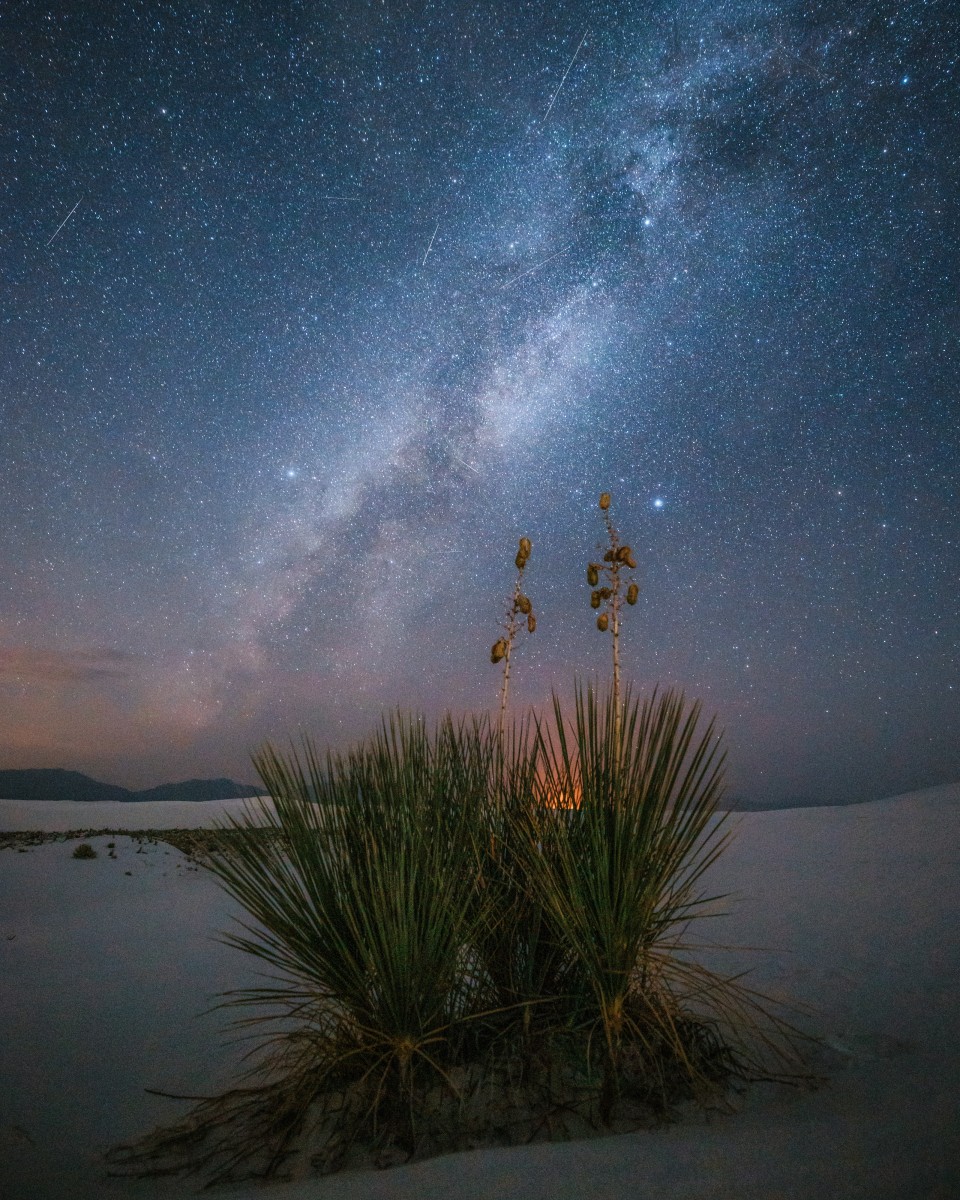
[57, 784]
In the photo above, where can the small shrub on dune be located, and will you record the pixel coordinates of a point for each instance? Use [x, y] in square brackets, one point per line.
[625, 829]
[365, 905]
[84, 850]
[473, 938]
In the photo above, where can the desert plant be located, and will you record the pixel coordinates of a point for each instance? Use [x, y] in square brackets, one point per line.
[611, 585]
[615, 865]
[363, 903]
[84, 850]
[518, 606]
[469, 932]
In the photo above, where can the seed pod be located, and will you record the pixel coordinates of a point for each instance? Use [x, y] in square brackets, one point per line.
[593, 574]
[602, 621]
[623, 553]
[608, 557]
[604, 500]
[632, 593]
[630, 560]
[498, 650]
[594, 599]
[531, 623]
[523, 604]
[605, 593]
[521, 560]
[525, 546]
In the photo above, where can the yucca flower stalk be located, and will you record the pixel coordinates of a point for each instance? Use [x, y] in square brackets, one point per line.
[609, 595]
[519, 614]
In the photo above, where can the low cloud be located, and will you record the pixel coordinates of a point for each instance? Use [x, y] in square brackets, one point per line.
[30, 664]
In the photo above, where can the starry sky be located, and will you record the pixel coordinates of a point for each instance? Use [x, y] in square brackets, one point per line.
[310, 311]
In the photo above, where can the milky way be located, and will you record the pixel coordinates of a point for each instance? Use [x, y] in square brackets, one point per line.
[309, 314]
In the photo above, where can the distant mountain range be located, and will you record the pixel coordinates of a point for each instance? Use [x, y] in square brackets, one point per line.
[57, 784]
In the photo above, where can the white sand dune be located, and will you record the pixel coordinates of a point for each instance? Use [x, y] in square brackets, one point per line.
[105, 963]
[60, 816]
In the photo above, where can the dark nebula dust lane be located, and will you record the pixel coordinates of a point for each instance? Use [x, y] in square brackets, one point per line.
[307, 315]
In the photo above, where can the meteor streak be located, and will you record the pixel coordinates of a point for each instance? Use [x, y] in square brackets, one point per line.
[430, 247]
[535, 267]
[64, 221]
[553, 98]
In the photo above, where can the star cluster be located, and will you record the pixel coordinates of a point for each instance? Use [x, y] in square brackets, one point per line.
[311, 310]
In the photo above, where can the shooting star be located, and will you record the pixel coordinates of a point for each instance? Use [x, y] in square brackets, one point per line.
[64, 221]
[535, 267]
[553, 98]
[430, 247]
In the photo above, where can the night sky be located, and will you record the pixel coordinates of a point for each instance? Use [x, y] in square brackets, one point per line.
[309, 311]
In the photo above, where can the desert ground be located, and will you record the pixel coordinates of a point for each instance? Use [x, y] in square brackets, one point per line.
[106, 965]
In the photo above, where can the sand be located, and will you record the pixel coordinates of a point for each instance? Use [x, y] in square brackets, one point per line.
[105, 964]
[56, 816]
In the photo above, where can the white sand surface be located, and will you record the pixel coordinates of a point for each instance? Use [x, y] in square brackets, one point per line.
[59, 816]
[103, 973]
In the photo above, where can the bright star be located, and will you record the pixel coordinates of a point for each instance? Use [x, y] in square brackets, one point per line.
[658, 503]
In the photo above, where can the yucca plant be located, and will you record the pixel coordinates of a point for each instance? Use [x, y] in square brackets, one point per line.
[625, 831]
[361, 893]
[469, 932]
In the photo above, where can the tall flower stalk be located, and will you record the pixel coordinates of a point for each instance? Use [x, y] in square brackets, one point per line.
[612, 585]
[519, 613]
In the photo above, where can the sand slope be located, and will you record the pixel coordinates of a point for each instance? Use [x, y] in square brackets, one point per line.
[102, 974]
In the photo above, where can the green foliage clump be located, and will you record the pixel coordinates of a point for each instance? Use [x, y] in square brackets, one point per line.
[476, 936]
[84, 850]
